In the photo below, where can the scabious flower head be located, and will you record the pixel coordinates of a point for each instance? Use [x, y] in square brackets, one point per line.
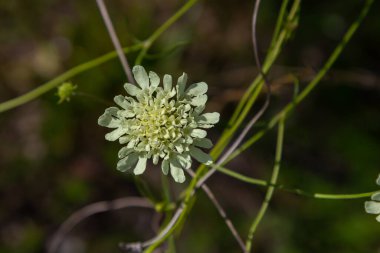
[164, 124]
[373, 207]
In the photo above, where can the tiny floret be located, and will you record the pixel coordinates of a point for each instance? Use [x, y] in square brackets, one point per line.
[65, 91]
[373, 207]
[163, 123]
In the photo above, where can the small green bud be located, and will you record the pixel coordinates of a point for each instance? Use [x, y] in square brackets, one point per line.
[65, 91]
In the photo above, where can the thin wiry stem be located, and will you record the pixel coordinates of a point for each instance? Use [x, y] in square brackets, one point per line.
[312, 84]
[44, 88]
[297, 191]
[149, 42]
[140, 246]
[115, 40]
[264, 107]
[250, 96]
[270, 190]
[94, 208]
[183, 209]
[221, 211]
[35, 93]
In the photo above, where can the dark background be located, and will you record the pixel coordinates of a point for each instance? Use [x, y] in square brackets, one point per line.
[54, 159]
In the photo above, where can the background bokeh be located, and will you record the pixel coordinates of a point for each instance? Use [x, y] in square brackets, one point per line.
[54, 159]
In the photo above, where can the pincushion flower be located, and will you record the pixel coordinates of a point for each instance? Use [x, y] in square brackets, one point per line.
[165, 124]
[373, 207]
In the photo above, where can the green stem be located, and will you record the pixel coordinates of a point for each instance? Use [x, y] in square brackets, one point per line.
[275, 45]
[149, 42]
[226, 136]
[279, 23]
[261, 182]
[270, 190]
[338, 50]
[253, 91]
[12, 103]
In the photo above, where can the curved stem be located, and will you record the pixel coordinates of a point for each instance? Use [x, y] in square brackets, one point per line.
[261, 182]
[258, 115]
[270, 190]
[279, 23]
[298, 99]
[253, 91]
[221, 211]
[225, 138]
[33, 94]
[12, 103]
[87, 211]
[149, 42]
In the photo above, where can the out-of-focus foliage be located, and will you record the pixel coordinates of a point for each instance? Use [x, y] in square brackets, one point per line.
[54, 159]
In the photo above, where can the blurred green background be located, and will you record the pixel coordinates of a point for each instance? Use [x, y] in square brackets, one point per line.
[54, 159]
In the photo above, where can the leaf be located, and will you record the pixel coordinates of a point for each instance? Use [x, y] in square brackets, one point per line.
[141, 76]
[197, 89]
[200, 156]
[378, 180]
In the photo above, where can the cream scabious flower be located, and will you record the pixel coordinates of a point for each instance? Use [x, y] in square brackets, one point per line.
[160, 123]
[373, 207]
